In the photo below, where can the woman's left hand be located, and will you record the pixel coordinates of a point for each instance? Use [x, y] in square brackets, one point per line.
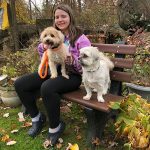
[69, 60]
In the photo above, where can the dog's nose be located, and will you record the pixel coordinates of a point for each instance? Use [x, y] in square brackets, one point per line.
[80, 60]
[49, 42]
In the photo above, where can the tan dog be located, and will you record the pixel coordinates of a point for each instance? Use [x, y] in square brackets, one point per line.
[53, 40]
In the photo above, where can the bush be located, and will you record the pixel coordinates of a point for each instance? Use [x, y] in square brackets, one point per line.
[133, 121]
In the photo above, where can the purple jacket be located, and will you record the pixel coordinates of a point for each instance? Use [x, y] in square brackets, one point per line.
[81, 42]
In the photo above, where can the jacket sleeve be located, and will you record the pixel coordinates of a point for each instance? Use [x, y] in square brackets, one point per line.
[40, 50]
[83, 41]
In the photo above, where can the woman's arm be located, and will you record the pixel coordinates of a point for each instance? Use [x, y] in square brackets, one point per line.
[81, 42]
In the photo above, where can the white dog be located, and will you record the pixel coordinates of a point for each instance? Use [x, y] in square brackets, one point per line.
[53, 40]
[96, 67]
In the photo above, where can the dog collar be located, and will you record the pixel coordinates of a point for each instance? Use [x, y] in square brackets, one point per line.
[93, 70]
[56, 48]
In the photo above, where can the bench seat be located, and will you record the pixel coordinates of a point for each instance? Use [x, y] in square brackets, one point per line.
[77, 97]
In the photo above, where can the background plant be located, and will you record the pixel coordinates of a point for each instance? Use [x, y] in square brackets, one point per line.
[133, 121]
[141, 69]
[21, 62]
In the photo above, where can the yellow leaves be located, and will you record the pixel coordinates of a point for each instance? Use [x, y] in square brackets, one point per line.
[72, 147]
[133, 121]
[126, 130]
[5, 138]
[143, 142]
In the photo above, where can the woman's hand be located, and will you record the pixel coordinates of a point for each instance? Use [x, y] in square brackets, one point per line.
[69, 60]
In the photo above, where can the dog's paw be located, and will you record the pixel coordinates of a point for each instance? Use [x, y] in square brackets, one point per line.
[66, 76]
[53, 76]
[94, 90]
[87, 97]
[101, 99]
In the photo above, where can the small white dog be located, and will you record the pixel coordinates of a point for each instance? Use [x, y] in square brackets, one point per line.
[53, 40]
[96, 67]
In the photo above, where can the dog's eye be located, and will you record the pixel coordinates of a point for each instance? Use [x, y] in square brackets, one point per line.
[85, 56]
[52, 35]
[45, 35]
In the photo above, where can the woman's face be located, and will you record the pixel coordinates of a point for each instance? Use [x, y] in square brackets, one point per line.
[62, 20]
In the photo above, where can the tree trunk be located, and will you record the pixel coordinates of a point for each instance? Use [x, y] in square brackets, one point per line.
[14, 30]
[131, 11]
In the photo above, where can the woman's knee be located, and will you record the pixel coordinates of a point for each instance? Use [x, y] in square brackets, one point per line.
[18, 84]
[46, 89]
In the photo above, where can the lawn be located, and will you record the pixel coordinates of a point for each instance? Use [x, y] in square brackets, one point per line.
[74, 132]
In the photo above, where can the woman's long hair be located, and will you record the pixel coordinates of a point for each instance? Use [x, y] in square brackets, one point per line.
[74, 32]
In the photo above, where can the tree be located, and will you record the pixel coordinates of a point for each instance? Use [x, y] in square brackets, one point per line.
[131, 11]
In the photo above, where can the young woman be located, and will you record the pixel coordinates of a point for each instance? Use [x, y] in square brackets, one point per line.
[51, 89]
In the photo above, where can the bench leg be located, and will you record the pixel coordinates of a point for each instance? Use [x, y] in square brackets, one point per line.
[96, 122]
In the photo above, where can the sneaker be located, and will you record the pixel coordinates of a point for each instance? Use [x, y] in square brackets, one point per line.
[37, 126]
[53, 137]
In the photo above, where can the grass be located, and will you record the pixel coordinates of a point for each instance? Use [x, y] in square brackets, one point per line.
[73, 119]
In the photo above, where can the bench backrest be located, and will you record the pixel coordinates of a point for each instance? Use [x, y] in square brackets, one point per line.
[121, 62]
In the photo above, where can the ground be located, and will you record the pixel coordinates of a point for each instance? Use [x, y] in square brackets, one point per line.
[74, 132]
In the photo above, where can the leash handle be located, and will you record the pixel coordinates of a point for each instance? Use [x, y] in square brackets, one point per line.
[43, 68]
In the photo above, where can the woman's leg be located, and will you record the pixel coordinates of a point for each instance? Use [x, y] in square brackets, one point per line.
[26, 87]
[51, 91]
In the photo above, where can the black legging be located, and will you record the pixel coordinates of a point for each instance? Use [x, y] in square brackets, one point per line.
[51, 90]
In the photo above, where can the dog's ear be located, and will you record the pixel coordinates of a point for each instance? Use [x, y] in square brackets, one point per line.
[62, 37]
[41, 36]
[96, 53]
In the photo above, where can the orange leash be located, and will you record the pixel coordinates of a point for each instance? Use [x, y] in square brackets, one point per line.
[43, 68]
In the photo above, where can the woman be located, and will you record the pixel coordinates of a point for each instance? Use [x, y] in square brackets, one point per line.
[51, 89]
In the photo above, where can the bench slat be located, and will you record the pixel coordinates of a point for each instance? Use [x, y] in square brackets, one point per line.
[116, 48]
[123, 63]
[77, 97]
[120, 76]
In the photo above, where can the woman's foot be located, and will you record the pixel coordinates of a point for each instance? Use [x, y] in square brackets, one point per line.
[52, 138]
[37, 126]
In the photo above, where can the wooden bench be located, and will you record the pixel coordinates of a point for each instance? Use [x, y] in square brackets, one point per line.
[98, 113]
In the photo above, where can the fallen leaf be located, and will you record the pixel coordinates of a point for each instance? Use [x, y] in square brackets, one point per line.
[59, 146]
[11, 143]
[46, 144]
[76, 128]
[2, 131]
[21, 117]
[72, 147]
[85, 120]
[69, 104]
[96, 141]
[79, 137]
[6, 115]
[112, 144]
[65, 109]
[6, 108]
[14, 131]
[60, 140]
[27, 124]
[5, 138]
